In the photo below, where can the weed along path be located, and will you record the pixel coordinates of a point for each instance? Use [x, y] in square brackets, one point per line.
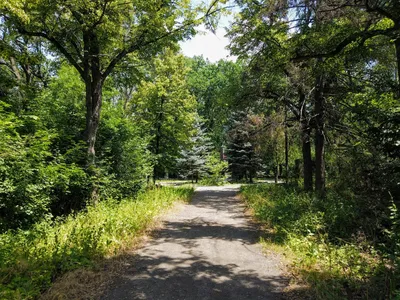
[205, 250]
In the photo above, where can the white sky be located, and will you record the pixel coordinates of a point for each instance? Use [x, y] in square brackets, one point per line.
[208, 44]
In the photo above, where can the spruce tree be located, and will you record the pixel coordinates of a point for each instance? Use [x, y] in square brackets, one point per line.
[242, 157]
[192, 163]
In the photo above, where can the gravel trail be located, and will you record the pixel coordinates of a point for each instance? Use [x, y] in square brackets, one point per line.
[205, 250]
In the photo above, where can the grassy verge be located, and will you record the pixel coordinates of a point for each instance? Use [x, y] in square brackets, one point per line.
[330, 256]
[31, 260]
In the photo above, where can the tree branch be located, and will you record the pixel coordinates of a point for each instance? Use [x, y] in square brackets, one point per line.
[137, 45]
[379, 10]
[57, 44]
[364, 35]
[103, 12]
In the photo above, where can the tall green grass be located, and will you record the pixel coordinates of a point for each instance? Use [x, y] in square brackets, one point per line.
[330, 250]
[30, 260]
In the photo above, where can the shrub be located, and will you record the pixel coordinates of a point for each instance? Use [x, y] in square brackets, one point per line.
[216, 170]
[31, 259]
[329, 238]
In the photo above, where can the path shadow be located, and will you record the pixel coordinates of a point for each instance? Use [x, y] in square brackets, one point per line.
[186, 234]
[224, 200]
[191, 278]
[187, 273]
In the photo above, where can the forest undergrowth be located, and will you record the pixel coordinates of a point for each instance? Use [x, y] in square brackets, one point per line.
[333, 248]
[30, 260]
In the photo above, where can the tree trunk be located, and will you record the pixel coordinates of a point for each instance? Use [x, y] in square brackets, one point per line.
[159, 122]
[286, 148]
[307, 161]
[297, 169]
[319, 111]
[397, 45]
[156, 152]
[93, 108]
[94, 87]
[306, 145]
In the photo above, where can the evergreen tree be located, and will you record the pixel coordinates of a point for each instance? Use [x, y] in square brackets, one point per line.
[192, 163]
[242, 157]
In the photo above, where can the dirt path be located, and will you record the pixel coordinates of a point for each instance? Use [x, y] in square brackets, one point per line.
[206, 250]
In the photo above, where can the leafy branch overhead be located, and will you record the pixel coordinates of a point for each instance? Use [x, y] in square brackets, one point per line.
[76, 29]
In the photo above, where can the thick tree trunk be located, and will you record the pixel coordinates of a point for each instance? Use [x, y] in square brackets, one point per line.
[319, 111]
[306, 144]
[93, 108]
[94, 87]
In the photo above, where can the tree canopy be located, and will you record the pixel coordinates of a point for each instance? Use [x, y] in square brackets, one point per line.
[98, 103]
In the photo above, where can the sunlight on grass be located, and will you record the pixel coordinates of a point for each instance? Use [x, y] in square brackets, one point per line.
[31, 260]
[325, 256]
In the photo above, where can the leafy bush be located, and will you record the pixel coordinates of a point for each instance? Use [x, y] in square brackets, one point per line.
[31, 181]
[43, 168]
[216, 170]
[329, 240]
[124, 159]
[30, 260]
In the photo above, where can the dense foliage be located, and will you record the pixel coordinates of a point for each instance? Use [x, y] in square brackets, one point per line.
[329, 251]
[324, 78]
[96, 100]
[30, 260]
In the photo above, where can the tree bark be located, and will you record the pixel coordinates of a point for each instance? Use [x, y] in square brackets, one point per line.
[156, 152]
[286, 148]
[319, 111]
[93, 108]
[306, 146]
[159, 122]
[397, 46]
[307, 161]
[276, 173]
[94, 87]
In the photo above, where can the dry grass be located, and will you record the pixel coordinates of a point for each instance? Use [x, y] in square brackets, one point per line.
[91, 283]
[79, 284]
